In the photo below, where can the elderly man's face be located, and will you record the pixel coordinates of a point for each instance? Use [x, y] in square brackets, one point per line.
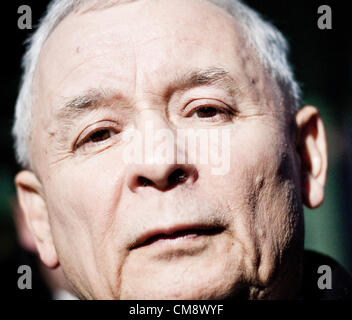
[123, 230]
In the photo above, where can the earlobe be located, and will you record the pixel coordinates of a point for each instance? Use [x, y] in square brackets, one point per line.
[312, 149]
[32, 202]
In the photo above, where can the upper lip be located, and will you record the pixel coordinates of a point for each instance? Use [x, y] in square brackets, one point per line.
[176, 230]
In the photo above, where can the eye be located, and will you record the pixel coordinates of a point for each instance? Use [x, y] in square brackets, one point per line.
[96, 137]
[100, 135]
[206, 112]
[211, 113]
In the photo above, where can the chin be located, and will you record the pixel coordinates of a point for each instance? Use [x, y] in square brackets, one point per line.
[172, 294]
[197, 287]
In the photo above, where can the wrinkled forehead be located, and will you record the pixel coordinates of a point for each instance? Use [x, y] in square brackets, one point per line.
[142, 19]
[92, 48]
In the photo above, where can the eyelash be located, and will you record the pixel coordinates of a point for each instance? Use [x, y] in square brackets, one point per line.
[227, 114]
[88, 139]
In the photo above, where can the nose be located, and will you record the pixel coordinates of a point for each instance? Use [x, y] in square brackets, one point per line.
[162, 177]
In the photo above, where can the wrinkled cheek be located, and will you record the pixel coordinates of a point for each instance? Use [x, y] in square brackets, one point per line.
[261, 203]
[276, 220]
[82, 214]
[240, 191]
[86, 197]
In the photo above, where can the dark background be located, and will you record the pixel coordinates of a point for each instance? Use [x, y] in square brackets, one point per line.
[322, 61]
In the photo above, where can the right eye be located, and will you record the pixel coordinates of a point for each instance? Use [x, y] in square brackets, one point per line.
[100, 135]
[96, 137]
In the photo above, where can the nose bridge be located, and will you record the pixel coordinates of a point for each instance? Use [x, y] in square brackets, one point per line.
[152, 116]
[158, 136]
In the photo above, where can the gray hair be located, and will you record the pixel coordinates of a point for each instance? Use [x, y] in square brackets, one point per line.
[268, 43]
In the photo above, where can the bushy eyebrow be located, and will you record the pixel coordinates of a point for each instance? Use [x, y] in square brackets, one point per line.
[95, 98]
[87, 101]
[205, 77]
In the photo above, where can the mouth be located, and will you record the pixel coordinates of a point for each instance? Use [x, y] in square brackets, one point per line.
[176, 234]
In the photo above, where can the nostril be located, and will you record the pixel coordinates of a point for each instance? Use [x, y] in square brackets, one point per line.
[177, 176]
[163, 180]
[145, 182]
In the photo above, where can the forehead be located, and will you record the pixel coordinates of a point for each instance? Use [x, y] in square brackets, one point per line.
[146, 40]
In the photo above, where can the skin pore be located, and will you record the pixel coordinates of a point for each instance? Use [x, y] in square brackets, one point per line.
[87, 208]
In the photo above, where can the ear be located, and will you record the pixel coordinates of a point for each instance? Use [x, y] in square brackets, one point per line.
[312, 149]
[33, 205]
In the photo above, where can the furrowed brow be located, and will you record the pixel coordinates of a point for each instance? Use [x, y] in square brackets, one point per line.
[205, 77]
[85, 102]
[94, 98]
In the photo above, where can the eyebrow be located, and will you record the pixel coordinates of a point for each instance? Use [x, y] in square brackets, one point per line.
[87, 101]
[205, 77]
[94, 98]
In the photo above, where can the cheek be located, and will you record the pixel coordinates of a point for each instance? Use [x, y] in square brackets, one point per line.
[267, 182]
[254, 156]
[84, 199]
[83, 208]
[259, 192]
[87, 189]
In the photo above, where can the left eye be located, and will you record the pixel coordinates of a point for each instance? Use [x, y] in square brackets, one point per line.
[95, 137]
[210, 113]
[99, 135]
[207, 112]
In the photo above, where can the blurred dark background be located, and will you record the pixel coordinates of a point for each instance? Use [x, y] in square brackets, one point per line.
[322, 61]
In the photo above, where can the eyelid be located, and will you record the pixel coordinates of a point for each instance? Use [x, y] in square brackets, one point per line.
[91, 129]
[215, 103]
